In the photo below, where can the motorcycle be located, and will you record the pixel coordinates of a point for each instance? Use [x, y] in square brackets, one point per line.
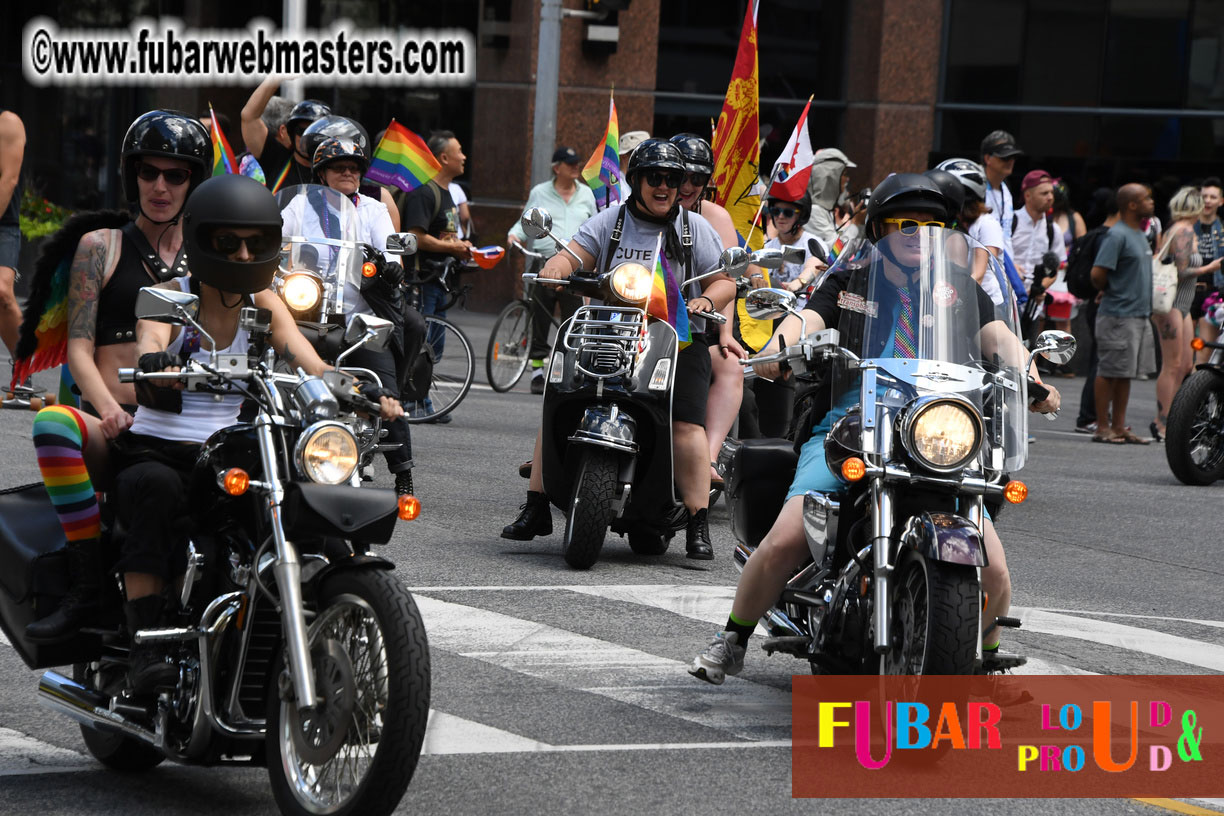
[1194, 437]
[921, 445]
[296, 647]
[607, 439]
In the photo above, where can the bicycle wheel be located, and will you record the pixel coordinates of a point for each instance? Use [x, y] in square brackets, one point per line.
[453, 369]
[509, 345]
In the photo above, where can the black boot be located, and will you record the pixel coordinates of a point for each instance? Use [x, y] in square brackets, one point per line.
[697, 537]
[81, 603]
[536, 519]
[148, 668]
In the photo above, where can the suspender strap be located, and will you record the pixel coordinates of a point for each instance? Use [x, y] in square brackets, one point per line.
[161, 273]
[617, 229]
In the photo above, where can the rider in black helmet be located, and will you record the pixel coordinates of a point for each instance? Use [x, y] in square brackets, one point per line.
[953, 191]
[232, 231]
[691, 247]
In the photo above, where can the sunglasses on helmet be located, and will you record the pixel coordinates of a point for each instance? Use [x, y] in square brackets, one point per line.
[657, 178]
[908, 226]
[227, 243]
[783, 212]
[174, 175]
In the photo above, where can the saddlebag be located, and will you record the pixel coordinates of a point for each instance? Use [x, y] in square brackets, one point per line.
[759, 472]
[360, 514]
[34, 576]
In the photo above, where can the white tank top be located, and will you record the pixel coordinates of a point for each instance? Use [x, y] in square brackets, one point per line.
[203, 414]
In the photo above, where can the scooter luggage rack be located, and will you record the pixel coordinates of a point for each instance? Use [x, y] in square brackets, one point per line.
[605, 338]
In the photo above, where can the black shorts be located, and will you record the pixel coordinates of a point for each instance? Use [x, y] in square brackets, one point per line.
[692, 384]
[1200, 295]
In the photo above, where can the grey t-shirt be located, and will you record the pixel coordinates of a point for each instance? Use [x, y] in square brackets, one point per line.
[638, 240]
[1128, 256]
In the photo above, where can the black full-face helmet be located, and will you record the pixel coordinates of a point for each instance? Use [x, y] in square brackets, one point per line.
[332, 125]
[166, 134]
[241, 203]
[333, 149]
[698, 157]
[653, 154]
[904, 192]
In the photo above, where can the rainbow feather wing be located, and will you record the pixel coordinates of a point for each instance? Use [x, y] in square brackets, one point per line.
[52, 331]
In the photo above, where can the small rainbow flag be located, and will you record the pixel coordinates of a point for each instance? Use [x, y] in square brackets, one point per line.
[402, 158]
[223, 155]
[602, 171]
[838, 246]
[665, 301]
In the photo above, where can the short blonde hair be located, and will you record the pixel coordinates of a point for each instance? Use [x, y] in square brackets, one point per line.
[1187, 203]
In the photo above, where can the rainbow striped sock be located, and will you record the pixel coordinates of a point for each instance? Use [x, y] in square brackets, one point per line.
[59, 439]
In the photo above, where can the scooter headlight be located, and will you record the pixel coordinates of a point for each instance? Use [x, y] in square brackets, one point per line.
[326, 453]
[632, 282]
[942, 434]
[301, 291]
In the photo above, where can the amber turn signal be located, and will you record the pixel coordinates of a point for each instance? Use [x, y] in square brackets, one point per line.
[368, 270]
[236, 481]
[409, 507]
[1197, 344]
[853, 469]
[1015, 492]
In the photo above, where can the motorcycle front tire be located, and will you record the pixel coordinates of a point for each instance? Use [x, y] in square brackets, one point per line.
[591, 509]
[938, 633]
[1194, 439]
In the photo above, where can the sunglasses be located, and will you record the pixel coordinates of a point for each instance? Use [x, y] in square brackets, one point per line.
[227, 243]
[350, 169]
[783, 212]
[657, 178]
[697, 179]
[174, 176]
[908, 226]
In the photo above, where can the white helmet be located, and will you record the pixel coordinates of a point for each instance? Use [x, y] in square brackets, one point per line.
[970, 174]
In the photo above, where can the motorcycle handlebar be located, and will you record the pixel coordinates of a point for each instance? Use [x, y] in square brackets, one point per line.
[1039, 393]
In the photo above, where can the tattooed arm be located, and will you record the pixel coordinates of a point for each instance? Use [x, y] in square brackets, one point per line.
[91, 267]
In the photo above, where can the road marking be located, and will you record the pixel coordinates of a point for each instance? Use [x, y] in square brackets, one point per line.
[746, 710]
[4, 640]
[1177, 806]
[21, 756]
[1132, 638]
[1215, 624]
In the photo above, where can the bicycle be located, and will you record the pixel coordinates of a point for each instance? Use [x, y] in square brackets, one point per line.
[450, 375]
[509, 348]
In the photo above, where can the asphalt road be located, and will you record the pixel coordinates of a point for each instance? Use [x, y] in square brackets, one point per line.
[556, 691]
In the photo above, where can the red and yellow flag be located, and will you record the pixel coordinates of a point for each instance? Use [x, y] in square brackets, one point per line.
[737, 146]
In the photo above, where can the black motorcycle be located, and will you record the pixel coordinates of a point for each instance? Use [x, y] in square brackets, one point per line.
[1194, 439]
[607, 436]
[924, 429]
[296, 647]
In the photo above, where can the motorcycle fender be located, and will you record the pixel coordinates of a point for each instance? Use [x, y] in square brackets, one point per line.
[607, 426]
[354, 562]
[361, 514]
[945, 537]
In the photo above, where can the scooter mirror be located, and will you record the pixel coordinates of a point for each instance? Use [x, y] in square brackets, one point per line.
[817, 251]
[376, 329]
[167, 306]
[1056, 346]
[766, 304]
[768, 258]
[402, 243]
[537, 222]
[734, 261]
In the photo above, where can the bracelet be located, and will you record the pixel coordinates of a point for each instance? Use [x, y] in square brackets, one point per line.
[707, 299]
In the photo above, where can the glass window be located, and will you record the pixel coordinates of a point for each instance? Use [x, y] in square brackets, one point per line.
[1146, 54]
[985, 45]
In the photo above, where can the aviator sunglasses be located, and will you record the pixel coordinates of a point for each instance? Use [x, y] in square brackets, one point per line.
[227, 243]
[657, 178]
[782, 212]
[908, 226]
[175, 176]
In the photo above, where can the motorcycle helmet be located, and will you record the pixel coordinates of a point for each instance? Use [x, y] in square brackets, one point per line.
[232, 201]
[904, 192]
[168, 134]
[340, 127]
[952, 189]
[333, 149]
[969, 173]
[803, 204]
[698, 157]
[301, 116]
[653, 154]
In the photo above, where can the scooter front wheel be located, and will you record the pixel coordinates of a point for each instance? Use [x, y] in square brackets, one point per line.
[591, 509]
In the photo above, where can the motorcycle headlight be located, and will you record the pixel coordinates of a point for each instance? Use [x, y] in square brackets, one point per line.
[301, 291]
[942, 434]
[632, 282]
[326, 453]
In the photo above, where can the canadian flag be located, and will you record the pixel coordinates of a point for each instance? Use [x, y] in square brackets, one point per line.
[793, 168]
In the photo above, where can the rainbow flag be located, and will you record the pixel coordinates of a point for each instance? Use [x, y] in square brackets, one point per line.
[223, 155]
[402, 158]
[602, 171]
[665, 301]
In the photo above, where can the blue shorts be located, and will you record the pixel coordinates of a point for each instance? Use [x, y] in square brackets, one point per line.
[10, 245]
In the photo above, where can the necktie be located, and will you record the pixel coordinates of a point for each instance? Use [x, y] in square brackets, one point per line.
[904, 344]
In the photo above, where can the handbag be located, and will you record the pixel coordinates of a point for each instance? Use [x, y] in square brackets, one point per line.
[1164, 281]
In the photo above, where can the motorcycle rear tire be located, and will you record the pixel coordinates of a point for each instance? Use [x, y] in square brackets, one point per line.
[591, 509]
[387, 613]
[948, 630]
[1196, 418]
[114, 750]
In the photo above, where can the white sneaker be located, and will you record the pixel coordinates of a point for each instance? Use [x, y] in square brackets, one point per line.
[723, 656]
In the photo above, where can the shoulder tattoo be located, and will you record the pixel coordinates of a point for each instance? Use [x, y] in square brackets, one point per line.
[85, 286]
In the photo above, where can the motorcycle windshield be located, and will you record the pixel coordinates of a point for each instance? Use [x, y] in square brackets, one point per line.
[911, 309]
[320, 233]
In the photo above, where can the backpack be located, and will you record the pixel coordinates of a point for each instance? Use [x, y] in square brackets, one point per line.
[1080, 261]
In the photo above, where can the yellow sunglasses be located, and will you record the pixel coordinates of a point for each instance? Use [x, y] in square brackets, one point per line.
[908, 226]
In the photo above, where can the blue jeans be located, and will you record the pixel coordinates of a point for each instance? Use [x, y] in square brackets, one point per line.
[432, 297]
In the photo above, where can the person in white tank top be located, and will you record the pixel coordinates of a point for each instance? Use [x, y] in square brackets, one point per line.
[232, 228]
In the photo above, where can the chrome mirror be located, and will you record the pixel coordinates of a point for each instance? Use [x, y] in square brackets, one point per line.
[767, 304]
